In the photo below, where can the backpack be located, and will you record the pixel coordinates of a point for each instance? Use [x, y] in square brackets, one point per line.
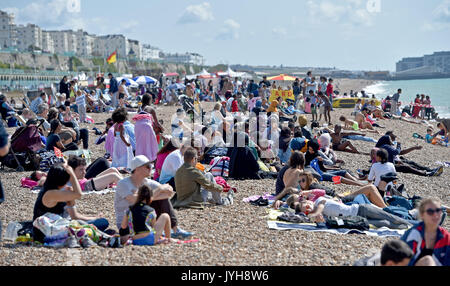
[214, 152]
[351, 222]
[220, 167]
[48, 159]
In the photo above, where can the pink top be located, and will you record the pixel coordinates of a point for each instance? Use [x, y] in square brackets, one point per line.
[160, 158]
[316, 194]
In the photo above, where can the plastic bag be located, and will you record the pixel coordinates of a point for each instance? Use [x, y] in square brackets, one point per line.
[52, 225]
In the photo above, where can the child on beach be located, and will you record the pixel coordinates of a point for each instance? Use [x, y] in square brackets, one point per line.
[122, 150]
[349, 124]
[358, 107]
[313, 101]
[145, 229]
[429, 136]
[81, 105]
[326, 106]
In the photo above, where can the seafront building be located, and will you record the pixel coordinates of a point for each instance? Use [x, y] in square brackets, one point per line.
[437, 64]
[8, 32]
[29, 37]
[79, 43]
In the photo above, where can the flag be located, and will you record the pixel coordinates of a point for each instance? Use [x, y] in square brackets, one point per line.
[112, 58]
[58, 152]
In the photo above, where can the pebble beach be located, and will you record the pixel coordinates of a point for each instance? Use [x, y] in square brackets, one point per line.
[235, 235]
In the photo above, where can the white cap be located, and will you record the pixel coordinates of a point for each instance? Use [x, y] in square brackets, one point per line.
[139, 161]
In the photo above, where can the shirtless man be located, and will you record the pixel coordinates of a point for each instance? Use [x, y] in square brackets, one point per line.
[343, 145]
[289, 176]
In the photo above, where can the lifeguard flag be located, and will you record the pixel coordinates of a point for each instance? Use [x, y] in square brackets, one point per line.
[112, 58]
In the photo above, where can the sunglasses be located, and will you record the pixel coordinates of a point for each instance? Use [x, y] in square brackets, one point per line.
[432, 211]
[303, 180]
[147, 166]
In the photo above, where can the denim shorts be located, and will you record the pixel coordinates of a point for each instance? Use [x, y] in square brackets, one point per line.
[328, 176]
[148, 240]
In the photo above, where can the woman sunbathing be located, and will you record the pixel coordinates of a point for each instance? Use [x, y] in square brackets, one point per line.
[100, 182]
[330, 208]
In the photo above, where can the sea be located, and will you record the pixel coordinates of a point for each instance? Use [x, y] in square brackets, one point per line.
[437, 89]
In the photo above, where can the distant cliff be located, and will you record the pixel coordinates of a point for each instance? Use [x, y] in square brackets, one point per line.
[64, 63]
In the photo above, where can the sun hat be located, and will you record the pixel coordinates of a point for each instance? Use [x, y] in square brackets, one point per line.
[139, 161]
[302, 120]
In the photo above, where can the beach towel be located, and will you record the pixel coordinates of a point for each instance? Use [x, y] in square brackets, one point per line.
[102, 192]
[380, 232]
[28, 183]
[255, 197]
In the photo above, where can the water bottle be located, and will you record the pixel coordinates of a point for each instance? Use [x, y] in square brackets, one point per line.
[11, 231]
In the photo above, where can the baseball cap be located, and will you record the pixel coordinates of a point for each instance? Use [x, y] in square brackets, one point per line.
[139, 161]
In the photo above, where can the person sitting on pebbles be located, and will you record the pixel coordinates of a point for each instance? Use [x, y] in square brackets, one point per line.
[193, 186]
[58, 198]
[360, 117]
[140, 218]
[126, 195]
[402, 164]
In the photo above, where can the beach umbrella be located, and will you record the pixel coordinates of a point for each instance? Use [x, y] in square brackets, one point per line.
[176, 86]
[282, 77]
[129, 81]
[145, 79]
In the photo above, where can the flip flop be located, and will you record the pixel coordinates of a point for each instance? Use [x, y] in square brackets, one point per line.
[188, 241]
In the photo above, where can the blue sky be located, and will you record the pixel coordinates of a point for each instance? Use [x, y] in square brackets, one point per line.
[319, 33]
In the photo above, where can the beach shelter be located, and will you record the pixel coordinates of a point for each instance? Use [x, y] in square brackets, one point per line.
[145, 80]
[129, 81]
[282, 77]
[204, 74]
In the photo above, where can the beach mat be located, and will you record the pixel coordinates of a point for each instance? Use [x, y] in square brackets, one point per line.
[380, 232]
[103, 192]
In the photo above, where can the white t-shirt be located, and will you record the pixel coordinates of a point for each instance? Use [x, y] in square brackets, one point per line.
[172, 163]
[335, 209]
[125, 188]
[379, 170]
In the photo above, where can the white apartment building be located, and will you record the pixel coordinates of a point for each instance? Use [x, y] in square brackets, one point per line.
[85, 43]
[60, 41]
[187, 58]
[47, 43]
[104, 46]
[72, 43]
[8, 34]
[150, 53]
[29, 35]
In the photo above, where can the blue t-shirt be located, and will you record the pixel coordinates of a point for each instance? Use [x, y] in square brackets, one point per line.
[52, 139]
[392, 152]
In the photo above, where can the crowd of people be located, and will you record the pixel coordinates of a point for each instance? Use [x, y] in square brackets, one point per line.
[155, 171]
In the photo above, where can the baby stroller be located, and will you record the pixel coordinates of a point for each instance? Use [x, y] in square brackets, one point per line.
[188, 106]
[25, 142]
